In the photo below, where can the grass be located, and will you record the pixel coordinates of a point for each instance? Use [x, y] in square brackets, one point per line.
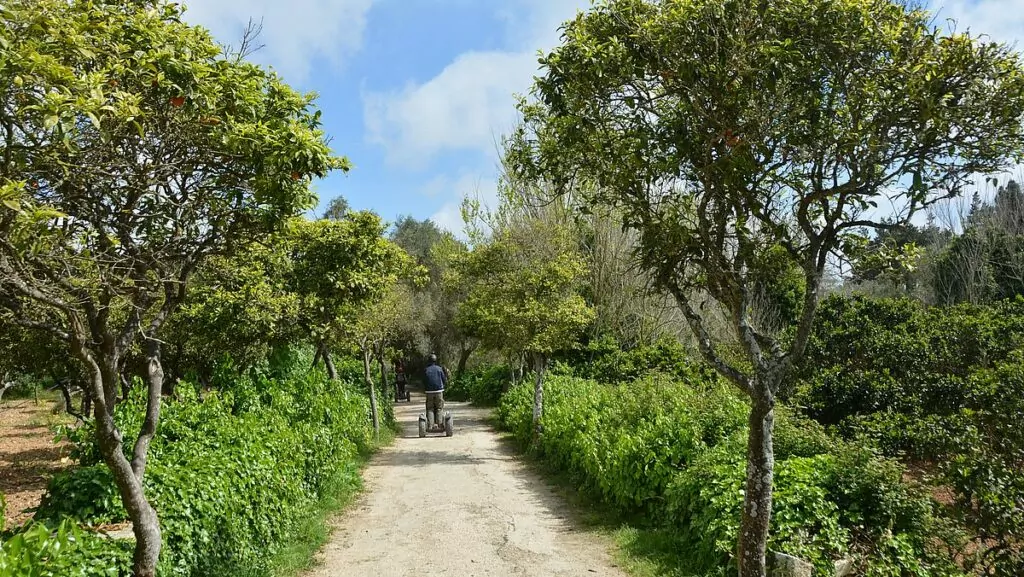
[300, 554]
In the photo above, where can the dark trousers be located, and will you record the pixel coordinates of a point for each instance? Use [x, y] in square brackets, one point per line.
[435, 407]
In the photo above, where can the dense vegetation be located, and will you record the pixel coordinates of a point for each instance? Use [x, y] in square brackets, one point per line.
[647, 305]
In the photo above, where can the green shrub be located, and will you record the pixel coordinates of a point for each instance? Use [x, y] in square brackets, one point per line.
[895, 355]
[675, 452]
[484, 386]
[230, 474]
[66, 551]
[603, 360]
[942, 387]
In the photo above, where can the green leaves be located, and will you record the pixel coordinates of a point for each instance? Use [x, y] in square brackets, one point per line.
[231, 475]
[523, 293]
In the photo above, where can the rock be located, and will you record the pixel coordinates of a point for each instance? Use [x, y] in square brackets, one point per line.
[844, 567]
[782, 565]
[126, 532]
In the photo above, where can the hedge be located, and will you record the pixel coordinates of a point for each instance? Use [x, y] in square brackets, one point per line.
[674, 452]
[230, 474]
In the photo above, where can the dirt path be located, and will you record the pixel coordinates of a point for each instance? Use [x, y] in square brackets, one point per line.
[28, 456]
[458, 506]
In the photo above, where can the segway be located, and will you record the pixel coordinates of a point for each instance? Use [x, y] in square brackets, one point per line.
[448, 428]
[402, 392]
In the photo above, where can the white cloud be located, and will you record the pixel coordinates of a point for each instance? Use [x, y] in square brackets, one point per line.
[295, 32]
[479, 186]
[1000, 20]
[470, 103]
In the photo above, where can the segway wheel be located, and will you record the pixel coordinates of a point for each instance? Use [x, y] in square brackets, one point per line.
[408, 396]
[449, 426]
[423, 426]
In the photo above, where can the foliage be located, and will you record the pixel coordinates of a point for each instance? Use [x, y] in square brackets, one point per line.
[66, 551]
[725, 130]
[524, 290]
[482, 385]
[603, 359]
[877, 355]
[239, 307]
[673, 453]
[133, 150]
[986, 262]
[232, 473]
[939, 386]
[433, 327]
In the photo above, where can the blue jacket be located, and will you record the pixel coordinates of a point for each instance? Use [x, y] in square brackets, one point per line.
[436, 379]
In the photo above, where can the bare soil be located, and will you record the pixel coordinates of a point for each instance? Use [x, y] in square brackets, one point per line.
[28, 456]
[463, 505]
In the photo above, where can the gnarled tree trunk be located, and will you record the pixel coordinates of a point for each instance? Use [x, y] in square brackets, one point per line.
[332, 372]
[464, 353]
[127, 475]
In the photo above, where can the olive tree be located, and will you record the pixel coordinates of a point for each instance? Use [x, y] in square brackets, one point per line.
[132, 149]
[726, 130]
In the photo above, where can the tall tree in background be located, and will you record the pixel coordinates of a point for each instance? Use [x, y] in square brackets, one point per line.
[725, 129]
[524, 295]
[986, 262]
[337, 268]
[336, 209]
[132, 150]
[436, 303]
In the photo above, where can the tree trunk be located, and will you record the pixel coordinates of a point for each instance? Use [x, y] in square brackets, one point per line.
[383, 370]
[373, 393]
[329, 362]
[155, 383]
[316, 357]
[460, 368]
[757, 505]
[540, 364]
[144, 520]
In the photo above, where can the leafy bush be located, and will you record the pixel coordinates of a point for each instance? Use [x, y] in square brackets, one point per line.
[603, 360]
[230, 474]
[942, 387]
[67, 551]
[484, 386]
[675, 452]
[894, 355]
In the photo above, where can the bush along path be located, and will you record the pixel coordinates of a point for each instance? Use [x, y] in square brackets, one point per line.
[463, 506]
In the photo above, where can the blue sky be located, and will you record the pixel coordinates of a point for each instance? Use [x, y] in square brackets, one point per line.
[418, 92]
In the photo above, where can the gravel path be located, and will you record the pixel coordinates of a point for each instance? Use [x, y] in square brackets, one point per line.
[458, 506]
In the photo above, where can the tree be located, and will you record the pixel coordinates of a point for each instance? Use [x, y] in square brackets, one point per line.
[436, 303]
[523, 295]
[133, 150]
[338, 267]
[724, 128]
[240, 307]
[376, 324]
[336, 209]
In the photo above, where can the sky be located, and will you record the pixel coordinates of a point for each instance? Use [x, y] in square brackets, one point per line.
[418, 93]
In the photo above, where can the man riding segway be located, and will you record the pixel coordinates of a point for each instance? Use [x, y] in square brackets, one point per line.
[436, 419]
